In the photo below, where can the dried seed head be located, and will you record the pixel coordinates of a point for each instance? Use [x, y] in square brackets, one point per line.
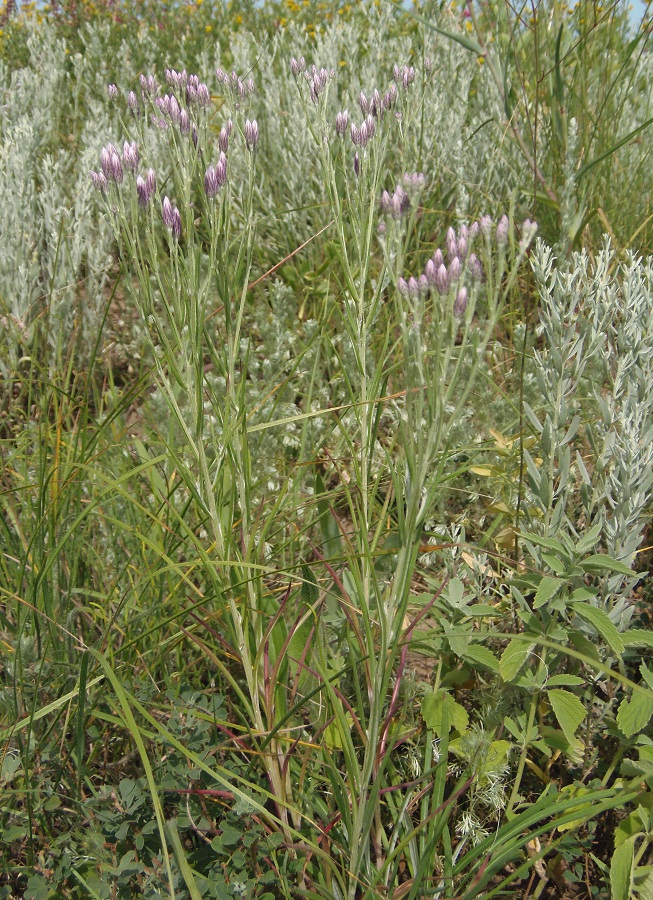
[428, 65]
[342, 120]
[113, 92]
[460, 303]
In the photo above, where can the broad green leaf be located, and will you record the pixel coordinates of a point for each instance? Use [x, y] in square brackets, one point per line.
[635, 714]
[481, 655]
[496, 757]
[549, 586]
[643, 878]
[637, 637]
[569, 712]
[513, 658]
[549, 543]
[588, 540]
[630, 826]
[603, 624]
[599, 562]
[440, 706]
[621, 870]
[564, 681]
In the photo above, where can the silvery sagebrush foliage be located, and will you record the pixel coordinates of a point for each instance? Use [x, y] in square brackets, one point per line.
[596, 324]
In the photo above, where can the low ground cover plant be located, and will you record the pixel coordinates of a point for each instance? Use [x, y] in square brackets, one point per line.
[327, 419]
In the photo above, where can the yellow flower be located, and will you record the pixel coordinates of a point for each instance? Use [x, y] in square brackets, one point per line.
[208, 28]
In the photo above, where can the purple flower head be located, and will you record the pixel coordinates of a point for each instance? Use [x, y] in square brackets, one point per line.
[149, 86]
[502, 231]
[229, 125]
[355, 135]
[191, 94]
[430, 272]
[223, 139]
[221, 170]
[485, 225]
[363, 135]
[364, 104]
[460, 303]
[184, 122]
[385, 202]
[100, 182]
[113, 92]
[462, 246]
[174, 110]
[105, 162]
[371, 127]
[438, 258]
[250, 87]
[166, 212]
[474, 229]
[130, 155]
[111, 165]
[342, 119]
[132, 101]
[413, 288]
[294, 67]
[251, 134]
[475, 267]
[423, 283]
[455, 269]
[377, 107]
[142, 192]
[357, 164]
[402, 287]
[451, 244]
[150, 182]
[211, 185]
[442, 279]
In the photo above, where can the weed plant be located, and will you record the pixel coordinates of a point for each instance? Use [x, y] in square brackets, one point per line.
[324, 477]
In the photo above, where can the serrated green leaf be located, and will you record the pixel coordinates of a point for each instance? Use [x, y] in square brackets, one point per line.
[441, 713]
[603, 624]
[513, 658]
[554, 563]
[637, 637]
[481, 655]
[569, 712]
[634, 714]
[549, 543]
[548, 588]
[599, 562]
[621, 870]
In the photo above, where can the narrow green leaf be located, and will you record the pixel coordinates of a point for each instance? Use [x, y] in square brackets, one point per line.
[513, 658]
[182, 862]
[569, 712]
[624, 140]
[589, 540]
[637, 637]
[461, 39]
[547, 589]
[564, 681]
[549, 543]
[603, 624]
[621, 870]
[634, 714]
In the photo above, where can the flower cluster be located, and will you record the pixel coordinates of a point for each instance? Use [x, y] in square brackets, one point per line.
[195, 91]
[234, 86]
[145, 187]
[377, 105]
[397, 204]
[215, 177]
[251, 134]
[171, 217]
[404, 76]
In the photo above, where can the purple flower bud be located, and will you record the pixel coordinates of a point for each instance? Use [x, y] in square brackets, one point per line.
[402, 287]
[115, 172]
[377, 108]
[396, 71]
[475, 268]
[502, 231]
[385, 202]
[342, 119]
[166, 212]
[229, 126]
[451, 244]
[223, 139]
[191, 94]
[438, 258]
[486, 225]
[381, 229]
[363, 135]
[142, 192]
[130, 155]
[251, 134]
[105, 162]
[184, 122]
[371, 127]
[220, 74]
[460, 303]
[462, 247]
[113, 92]
[442, 279]
[203, 96]
[100, 182]
[132, 101]
[423, 283]
[174, 110]
[250, 87]
[430, 272]
[413, 288]
[150, 182]
[221, 170]
[363, 103]
[148, 85]
[455, 270]
[294, 67]
[211, 185]
[474, 229]
[357, 164]
[194, 136]
[355, 135]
